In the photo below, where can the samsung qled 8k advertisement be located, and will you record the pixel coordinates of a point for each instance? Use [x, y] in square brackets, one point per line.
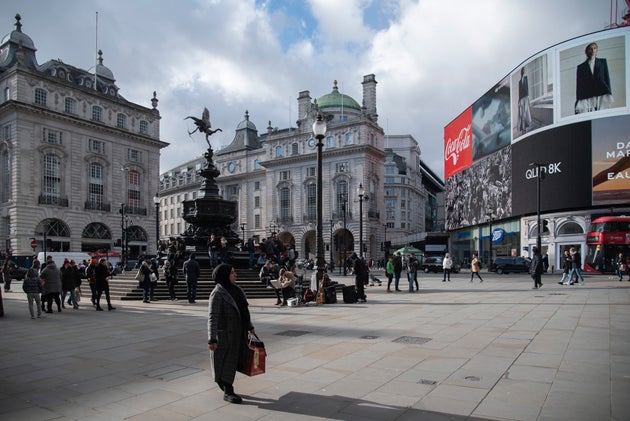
[564, 154]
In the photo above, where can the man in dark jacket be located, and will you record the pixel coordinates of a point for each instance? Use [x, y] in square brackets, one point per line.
[397, 270]
[412, 272]
[191, 274]
[361, 276]
[536, 268]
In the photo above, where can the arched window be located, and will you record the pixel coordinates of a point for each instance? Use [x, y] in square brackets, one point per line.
[53, 228]
[285, 204]
[136, 233]
[52, 178]
[95, 186]
[278, 151]
[311, 201]
[97, 230]
[570, 228]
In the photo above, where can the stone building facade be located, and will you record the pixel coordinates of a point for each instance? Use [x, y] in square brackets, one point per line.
[272, 176]
[79, 164]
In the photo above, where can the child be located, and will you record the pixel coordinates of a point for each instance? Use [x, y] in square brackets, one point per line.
[33, 288]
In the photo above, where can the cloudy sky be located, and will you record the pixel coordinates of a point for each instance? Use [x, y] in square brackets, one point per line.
[431, 58]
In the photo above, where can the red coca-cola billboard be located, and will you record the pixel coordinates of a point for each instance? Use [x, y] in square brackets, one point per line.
[458, 144]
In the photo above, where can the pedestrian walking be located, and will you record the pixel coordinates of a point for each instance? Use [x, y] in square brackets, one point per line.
[101, 273]
[389, 272]
[361, 277]
[474, 267]
[51, 287]
[229, 323]
[576, 264]
[536, 268]
[170, 276]
[566, 266]
[412, 272]
[33, 288]
[191, 274]
[397, 270]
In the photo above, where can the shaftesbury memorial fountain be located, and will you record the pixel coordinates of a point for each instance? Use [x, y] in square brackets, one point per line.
[208, 213]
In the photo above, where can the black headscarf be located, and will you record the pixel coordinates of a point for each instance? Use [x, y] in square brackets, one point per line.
[221, 276]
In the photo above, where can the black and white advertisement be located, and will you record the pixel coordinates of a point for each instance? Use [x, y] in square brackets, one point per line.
[563, 155]
[485, 185]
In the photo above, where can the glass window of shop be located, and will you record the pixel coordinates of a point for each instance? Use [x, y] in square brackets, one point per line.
[464, 242]
[507, 239]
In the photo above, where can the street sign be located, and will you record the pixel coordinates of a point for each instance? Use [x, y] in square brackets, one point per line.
[34, 244]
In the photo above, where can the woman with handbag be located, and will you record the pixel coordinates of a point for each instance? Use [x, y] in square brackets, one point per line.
[229, 323]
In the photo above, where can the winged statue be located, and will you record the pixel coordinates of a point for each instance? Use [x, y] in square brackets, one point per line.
[203, 125]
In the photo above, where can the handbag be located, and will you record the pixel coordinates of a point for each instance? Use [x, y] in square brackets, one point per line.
[255, 362]
[139, 276]
[153, 277]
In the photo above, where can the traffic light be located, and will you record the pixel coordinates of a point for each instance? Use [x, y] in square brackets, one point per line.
[545, 226]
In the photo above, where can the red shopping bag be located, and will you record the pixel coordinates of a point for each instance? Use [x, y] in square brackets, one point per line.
[255, 363]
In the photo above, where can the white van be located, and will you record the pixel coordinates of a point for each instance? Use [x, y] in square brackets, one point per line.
[60, 256]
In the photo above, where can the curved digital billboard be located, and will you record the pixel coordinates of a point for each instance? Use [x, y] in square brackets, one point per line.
[566, 109]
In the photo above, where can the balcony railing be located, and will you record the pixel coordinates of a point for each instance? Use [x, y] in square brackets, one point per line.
[99, 206]
[285, 220]
[46, 199]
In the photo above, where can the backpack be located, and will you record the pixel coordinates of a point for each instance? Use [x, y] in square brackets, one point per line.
[309, 295]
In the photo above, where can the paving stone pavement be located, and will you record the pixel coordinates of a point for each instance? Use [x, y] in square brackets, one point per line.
[452, 351]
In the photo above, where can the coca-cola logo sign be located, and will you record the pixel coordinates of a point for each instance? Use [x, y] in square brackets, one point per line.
[458, 141]
[455, 146]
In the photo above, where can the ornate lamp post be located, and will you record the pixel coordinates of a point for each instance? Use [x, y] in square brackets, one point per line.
[331, 243]
[319, 130]
[156, 201]
[345, 253]
[362, 197]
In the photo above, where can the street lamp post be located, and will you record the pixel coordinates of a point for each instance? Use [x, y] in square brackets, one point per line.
[319, 130]
[156, 201]
[491, 218]
[345, 253]
[539, 176]
[124, 240]
[331, 243]
[362, 197]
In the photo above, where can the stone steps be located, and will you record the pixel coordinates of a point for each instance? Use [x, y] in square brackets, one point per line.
[125, 287]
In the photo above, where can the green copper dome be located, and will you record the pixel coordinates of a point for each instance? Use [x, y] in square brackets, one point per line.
[337, 100]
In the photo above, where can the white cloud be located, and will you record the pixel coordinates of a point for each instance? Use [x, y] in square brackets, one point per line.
[432, 58]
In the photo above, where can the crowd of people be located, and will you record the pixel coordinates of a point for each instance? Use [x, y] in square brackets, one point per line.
[47, 285]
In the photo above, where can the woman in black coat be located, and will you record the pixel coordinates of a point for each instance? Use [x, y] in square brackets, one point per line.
[228, 325]
[101, 273]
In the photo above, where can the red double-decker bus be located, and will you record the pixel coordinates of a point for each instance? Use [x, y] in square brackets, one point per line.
[607, 237]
